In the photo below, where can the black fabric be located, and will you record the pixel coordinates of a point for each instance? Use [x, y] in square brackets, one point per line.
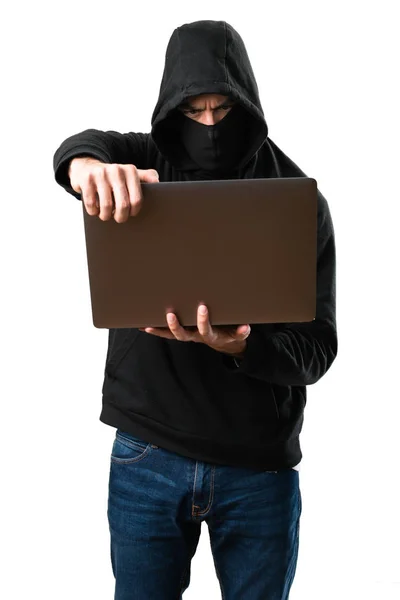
[206, 57]
[215, 148]
[187, 397]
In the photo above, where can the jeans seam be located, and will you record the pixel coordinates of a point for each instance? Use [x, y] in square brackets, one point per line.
[127, 461]
[194, 489]
[131, 443]
[293, 561]
[217, 571]
[211, 498]
[186, 569]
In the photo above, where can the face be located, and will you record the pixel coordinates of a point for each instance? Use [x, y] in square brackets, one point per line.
[207, 109]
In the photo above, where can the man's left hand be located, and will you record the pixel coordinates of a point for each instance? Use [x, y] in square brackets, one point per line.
[229, 340]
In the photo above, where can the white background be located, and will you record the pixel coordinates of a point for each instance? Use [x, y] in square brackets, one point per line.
[327, 74]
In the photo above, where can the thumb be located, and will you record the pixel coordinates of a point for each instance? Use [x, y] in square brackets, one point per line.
[243, 331]
[148, 175]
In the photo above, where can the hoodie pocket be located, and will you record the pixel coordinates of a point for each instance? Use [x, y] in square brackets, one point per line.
[120, 342]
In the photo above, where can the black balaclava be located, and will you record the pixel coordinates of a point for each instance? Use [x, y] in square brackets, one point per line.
[215, 147]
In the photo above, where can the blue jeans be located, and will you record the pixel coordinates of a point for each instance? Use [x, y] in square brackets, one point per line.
[157, 503]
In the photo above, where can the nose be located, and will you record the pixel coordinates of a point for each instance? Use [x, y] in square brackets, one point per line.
[208, 117]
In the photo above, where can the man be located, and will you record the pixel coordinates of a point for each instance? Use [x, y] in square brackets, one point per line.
[208, 419]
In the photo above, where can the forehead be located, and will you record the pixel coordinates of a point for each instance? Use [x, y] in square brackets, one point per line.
[204, 100]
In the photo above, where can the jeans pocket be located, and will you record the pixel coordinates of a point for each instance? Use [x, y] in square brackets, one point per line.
[128, 449]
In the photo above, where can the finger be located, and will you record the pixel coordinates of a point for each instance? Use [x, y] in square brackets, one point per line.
[148, 175]
[122, 203]
[90, 199]
[243, 332]
[159, 332]
[105, 196]
[133, 186]
[203, 322]
[177, 330]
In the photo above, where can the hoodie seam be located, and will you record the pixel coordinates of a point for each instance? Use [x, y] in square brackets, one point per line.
[225, 51]
[180, 59]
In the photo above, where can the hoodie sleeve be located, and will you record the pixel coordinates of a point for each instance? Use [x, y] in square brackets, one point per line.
[107, 146]
[299, 354]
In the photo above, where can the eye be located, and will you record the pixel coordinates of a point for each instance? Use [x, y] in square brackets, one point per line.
[189, 111]
[225, 107]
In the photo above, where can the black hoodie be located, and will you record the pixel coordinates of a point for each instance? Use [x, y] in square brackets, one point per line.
[184, 396]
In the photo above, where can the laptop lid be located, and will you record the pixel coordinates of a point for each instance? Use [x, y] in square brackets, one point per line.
[246, 248]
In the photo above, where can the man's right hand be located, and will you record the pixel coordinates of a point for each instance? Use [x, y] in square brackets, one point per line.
[109, 190]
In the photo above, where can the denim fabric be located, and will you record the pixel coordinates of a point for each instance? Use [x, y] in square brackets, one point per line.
[157, 503]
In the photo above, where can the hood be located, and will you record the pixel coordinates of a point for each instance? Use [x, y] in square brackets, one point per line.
[206, 57]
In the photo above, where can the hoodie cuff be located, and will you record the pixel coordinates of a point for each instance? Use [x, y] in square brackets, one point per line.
[62, 165]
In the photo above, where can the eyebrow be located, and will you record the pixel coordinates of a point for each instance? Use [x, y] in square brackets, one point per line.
[228, 102]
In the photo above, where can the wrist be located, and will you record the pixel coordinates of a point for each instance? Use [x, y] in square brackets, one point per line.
[239, 350]
[78, 162]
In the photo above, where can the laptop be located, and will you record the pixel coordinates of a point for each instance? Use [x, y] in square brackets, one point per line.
[246, 248]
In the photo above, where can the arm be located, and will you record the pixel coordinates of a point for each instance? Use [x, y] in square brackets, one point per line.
[106, 146]
[298, 354]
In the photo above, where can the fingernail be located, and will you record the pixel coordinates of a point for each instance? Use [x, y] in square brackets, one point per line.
[203, 310]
